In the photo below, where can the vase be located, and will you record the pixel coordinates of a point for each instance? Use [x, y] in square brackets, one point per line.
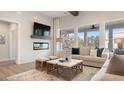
[68, 54]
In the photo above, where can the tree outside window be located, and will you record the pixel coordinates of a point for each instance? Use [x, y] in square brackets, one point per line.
[80, 39]
[93, 38]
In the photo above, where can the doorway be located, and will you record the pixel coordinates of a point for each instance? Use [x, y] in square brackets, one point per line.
[8, 42]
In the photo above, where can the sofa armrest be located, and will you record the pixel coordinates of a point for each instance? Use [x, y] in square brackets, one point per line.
[105, 55]
[116, 65]
[112, 77]
[101, 72]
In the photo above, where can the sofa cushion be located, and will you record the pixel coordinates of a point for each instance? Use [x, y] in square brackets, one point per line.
[116, 65]
[112, 77]
[85, 51]
[76, 56]
[93, 59]
[94, 64]
[93, 52]
[75, 51]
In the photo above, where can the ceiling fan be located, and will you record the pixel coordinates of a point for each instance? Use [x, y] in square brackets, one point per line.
[93, 27]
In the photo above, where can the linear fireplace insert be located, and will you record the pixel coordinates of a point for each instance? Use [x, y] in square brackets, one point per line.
[40, 45]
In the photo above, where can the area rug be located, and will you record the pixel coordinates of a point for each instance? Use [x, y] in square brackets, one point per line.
[35, 75]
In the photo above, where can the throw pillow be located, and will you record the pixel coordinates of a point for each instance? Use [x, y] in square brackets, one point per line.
[93, 52]
[85, 51]
[99, 52]
[75, 51]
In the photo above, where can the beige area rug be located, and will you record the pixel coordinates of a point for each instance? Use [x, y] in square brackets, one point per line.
[35, 75]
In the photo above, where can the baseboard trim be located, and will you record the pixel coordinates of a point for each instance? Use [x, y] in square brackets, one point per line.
[24, 62]
[5, 59]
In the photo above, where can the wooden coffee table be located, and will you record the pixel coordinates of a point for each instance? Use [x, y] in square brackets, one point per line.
[65, 69]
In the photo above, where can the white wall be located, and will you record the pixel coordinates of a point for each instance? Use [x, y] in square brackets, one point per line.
[25, 43]
[4, 48]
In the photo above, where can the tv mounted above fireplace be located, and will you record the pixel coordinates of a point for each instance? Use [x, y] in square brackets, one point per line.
[41, 31]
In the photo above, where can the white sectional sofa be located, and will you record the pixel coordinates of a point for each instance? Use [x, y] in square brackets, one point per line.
[112, 70]
[91, 60]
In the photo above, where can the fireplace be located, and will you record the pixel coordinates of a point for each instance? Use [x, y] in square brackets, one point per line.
[40, 45]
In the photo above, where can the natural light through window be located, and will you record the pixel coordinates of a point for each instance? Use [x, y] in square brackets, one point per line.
[80, 39]
[93, 38]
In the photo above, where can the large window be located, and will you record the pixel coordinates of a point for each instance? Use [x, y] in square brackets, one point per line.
[80, 39]
[93, 38]
[71, 34]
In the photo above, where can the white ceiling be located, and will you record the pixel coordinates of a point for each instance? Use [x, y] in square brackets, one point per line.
[55, 14]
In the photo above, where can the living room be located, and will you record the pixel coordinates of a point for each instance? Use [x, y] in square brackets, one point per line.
[82, 31]
[64, 46]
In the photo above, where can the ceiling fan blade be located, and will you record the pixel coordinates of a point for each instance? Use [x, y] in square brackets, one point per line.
[93, 27]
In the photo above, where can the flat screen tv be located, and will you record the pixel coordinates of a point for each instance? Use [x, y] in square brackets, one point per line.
[41, 29]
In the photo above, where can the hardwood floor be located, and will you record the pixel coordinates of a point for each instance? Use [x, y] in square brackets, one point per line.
[6, 62]
[10, 68]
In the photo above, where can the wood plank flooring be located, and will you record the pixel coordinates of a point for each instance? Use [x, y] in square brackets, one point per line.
[10, 68]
